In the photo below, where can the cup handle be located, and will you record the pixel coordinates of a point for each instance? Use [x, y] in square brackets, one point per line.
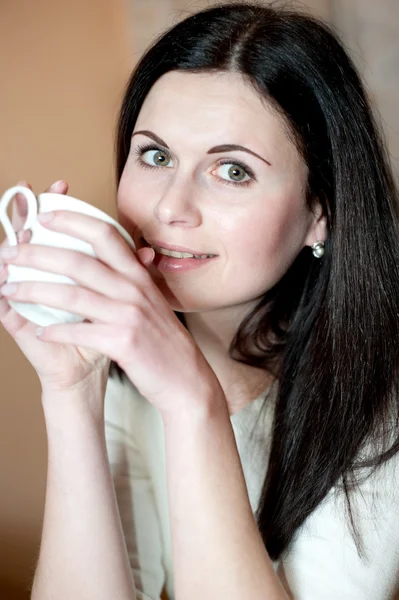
[31, 216]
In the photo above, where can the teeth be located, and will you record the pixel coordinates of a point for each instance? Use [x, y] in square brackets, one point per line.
[179, 254]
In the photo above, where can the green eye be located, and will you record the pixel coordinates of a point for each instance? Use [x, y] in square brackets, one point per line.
[158, 158]
[161, 158]
[234, 172]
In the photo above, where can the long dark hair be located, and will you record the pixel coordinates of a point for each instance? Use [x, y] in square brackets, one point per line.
[329, 329]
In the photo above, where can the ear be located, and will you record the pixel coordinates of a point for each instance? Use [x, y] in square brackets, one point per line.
[317, 231]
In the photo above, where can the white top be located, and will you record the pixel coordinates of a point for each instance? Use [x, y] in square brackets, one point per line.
[322, 562]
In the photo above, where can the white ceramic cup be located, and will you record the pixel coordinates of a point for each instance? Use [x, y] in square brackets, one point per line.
[37, 313]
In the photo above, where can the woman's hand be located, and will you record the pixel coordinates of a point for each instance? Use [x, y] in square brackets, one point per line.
[58, 366]
[130, 321]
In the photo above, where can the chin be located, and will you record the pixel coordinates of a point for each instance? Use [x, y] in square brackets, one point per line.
[184, 304]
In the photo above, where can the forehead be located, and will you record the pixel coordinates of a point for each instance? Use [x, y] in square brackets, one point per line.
[201, 110]
[181, 88]
[223, 102]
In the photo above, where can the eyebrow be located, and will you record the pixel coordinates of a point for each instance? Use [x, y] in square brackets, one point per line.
[214, 150]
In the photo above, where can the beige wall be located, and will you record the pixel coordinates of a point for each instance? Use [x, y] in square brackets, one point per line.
[63, 66]
[371, 30]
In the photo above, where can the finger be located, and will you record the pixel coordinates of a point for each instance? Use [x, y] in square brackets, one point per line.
[98, 337]
[3, 273]
[4, 306]
[58, 187]
[24, 236]
[107, 242]
[12, 321]
[82, 268]
[145, 256]
[71, 298]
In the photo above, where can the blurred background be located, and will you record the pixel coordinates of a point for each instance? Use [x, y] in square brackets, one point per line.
[64, 66]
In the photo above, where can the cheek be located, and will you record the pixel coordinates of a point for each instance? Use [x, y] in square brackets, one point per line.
[138, 190]
[133, 193]
[272, 244]
[128, 205]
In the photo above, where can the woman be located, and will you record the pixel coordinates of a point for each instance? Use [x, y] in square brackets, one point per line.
[251, 408]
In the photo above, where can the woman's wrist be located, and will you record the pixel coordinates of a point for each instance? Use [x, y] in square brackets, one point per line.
[198, 408]
[85, 399]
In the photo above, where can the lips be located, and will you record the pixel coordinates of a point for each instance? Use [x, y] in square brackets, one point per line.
[175, 248]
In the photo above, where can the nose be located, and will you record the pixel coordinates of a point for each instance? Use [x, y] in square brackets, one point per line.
[179, 203]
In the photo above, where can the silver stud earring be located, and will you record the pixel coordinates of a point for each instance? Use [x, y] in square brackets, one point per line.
[318, 249]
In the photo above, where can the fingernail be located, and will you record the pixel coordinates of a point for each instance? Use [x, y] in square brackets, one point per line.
[56, 184]
[8, 289]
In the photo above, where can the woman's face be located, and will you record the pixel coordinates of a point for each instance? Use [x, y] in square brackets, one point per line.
[183, 184]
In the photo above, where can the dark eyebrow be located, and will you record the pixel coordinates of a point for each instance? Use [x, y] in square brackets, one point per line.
[230, 147]
[154, 137]
[214, 150]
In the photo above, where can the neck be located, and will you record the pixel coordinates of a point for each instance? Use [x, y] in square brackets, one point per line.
[241, 383]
